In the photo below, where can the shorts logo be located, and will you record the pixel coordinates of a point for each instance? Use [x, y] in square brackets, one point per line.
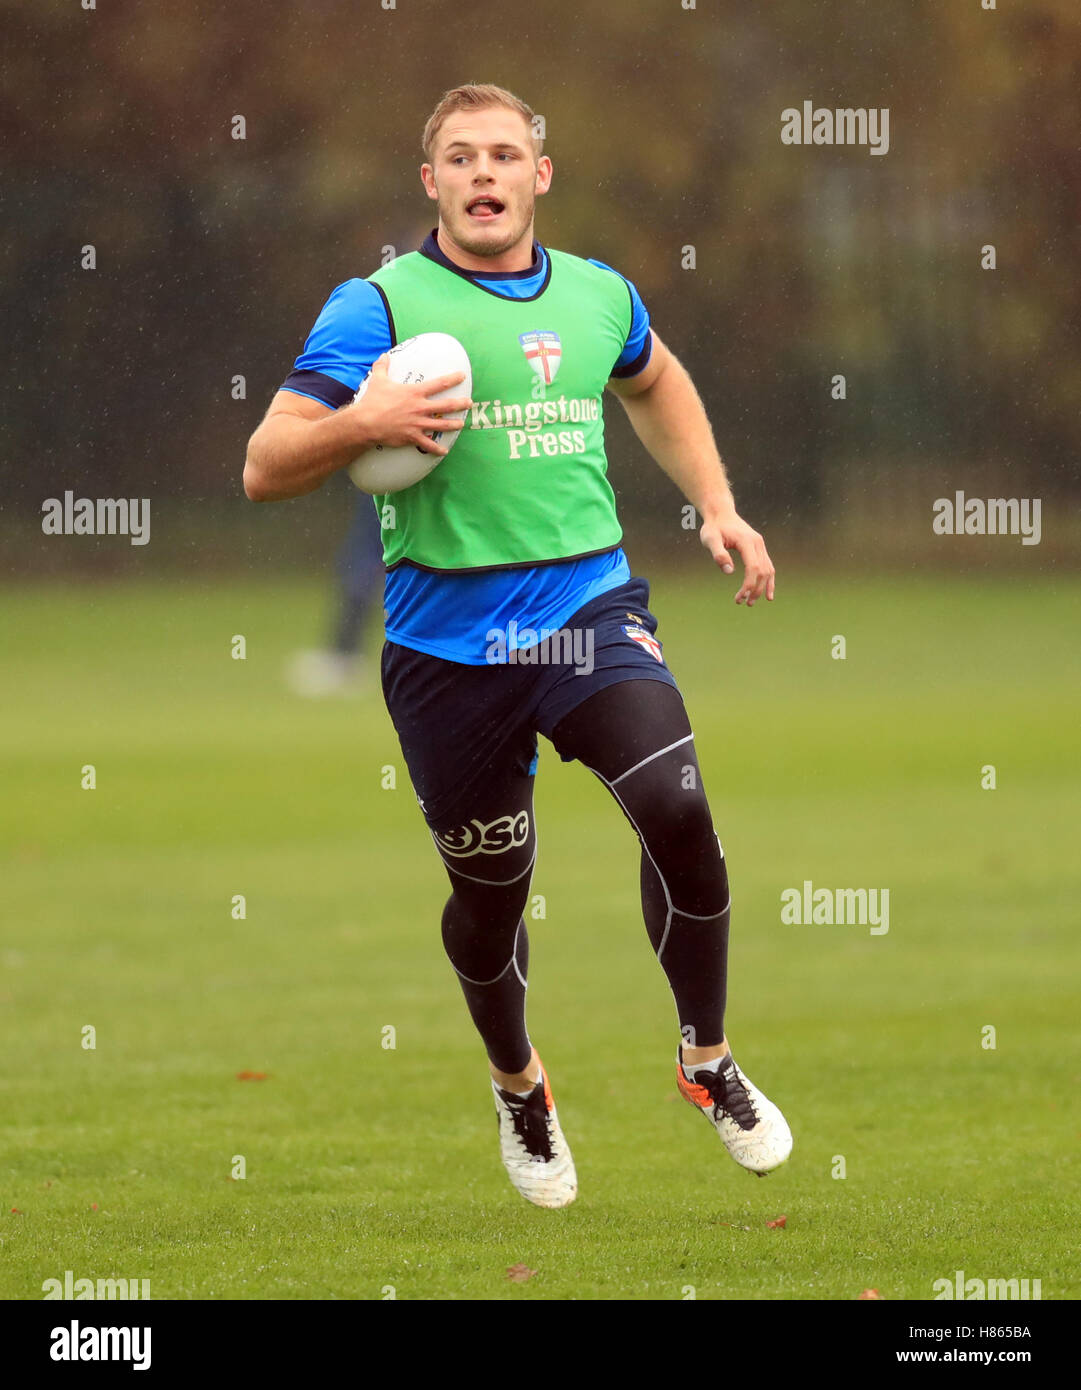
[544, 352]
[506, 832]
[642, 637]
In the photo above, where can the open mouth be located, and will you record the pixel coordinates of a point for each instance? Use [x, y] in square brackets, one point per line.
[484, 208]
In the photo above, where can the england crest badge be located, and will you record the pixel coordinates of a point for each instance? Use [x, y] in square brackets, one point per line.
[644, 639]
[543, 351]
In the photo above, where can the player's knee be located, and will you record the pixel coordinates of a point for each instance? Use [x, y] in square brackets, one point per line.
[683, 821]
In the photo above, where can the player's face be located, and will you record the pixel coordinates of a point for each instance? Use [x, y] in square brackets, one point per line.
[486, 181]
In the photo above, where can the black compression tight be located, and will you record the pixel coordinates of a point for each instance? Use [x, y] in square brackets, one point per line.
[636, 738]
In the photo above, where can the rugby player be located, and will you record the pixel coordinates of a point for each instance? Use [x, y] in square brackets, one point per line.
[498, 556]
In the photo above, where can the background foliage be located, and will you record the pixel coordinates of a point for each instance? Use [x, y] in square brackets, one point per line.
[215, 254]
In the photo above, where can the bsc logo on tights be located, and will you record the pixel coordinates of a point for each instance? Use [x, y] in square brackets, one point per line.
[506, 832]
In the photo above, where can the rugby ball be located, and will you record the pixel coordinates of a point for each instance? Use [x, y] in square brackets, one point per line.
[382, 469]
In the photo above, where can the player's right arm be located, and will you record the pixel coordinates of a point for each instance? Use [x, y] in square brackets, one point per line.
[301, 441]
[298, 445]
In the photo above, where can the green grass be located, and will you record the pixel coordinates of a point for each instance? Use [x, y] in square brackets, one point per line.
[369, 1167]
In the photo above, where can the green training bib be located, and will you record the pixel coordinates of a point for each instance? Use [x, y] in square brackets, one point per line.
[527, 478]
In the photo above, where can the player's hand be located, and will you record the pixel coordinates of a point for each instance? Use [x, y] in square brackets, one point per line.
[396, 414]
[722, 534]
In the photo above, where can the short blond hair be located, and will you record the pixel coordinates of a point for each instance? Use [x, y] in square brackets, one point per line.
[476, 96]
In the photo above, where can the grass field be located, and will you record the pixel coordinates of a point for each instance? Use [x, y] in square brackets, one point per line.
[370, 1168]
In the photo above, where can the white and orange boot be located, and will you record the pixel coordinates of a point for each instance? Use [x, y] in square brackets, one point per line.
[751, 1127]
[535, 1153]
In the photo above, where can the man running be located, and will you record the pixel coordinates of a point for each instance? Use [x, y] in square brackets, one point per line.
[494, 560]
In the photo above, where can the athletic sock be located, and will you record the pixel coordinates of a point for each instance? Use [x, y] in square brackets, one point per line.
[689, 1068]
[527, 1093]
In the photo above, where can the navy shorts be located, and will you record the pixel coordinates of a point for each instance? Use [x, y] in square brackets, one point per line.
[461, 726]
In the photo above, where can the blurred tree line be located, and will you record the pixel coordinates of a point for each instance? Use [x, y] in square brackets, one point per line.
[214, 255]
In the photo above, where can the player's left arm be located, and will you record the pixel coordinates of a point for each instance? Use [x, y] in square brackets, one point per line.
[669, 418]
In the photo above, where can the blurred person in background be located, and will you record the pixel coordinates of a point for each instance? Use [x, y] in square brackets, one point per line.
[343, 666]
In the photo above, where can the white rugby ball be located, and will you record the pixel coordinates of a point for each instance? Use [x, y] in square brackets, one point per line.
[381, 469]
